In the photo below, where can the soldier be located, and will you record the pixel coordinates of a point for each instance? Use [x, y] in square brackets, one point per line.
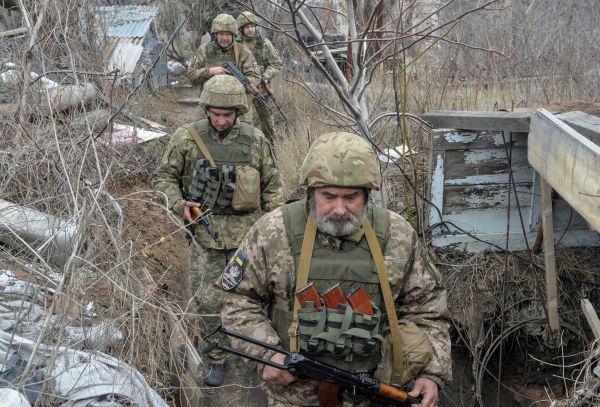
[230, 165]
[324, 239]
[268, 61]
[210, 57]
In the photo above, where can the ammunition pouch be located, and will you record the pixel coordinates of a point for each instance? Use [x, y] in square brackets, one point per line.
[341, 335]
[246, 196]
[226, 187]
[416, 352]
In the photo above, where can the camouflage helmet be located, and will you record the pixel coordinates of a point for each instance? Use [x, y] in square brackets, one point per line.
[224, 23]
[341, 160]
[246, 18]
[224, 91]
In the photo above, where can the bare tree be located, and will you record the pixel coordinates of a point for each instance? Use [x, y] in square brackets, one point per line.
[375, 33]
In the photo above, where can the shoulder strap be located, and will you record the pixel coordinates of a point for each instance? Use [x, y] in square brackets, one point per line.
[302, 277]
[236, 53]
[194, 133]
[388, 300]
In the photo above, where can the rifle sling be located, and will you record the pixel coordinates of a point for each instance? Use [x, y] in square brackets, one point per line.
[308, 243]
[236, 53]
[388, 299]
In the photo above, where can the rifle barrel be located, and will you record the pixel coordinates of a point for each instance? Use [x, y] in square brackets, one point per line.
[253, 341]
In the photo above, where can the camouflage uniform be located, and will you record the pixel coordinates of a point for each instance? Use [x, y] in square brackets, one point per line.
[268, 62]
[210, 55]
[269, 279]
[172, 178]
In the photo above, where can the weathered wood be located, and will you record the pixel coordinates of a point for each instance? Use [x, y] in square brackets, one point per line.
[584, 123]
[567, 161]
[591, 316]
[455, 140]
[485, 166]
[459, 198]
[503, 121]
[549, 256]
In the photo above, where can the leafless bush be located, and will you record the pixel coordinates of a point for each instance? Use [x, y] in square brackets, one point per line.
[52, 160]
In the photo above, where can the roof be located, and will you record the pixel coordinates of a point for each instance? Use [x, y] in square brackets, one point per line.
[124, 30]
[127, 21]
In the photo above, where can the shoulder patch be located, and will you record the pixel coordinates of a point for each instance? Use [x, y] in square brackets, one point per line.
[234, 272]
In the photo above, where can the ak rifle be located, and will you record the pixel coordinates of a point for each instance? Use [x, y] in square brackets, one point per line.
[269, 93]
[331, 379]
[201, 218]
[234, 71]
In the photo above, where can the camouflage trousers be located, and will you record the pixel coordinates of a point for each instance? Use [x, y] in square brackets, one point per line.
[265, 118]
[206, 265]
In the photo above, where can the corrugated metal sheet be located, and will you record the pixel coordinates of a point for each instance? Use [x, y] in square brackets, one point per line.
[125, 30]
[123, 54]
[127, 21]
[131, 29]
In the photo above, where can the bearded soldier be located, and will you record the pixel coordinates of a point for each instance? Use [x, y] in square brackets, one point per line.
[227, 166]
[210, 57]
[267, 60]
[334, 236]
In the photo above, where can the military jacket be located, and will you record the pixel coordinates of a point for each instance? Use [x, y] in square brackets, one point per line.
[210, 55]
[266, 56]
[269, 277]
[175, 170]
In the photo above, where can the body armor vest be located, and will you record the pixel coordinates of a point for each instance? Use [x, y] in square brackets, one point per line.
[354, 264]
[257, 50]
[226, 157]
[215, 56]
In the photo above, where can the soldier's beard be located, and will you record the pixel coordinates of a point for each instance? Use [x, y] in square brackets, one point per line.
[336, 225]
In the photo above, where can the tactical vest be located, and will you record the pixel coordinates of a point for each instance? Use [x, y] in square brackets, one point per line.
[216, 57]
[225, 156]
[257, 51]
[327, 268]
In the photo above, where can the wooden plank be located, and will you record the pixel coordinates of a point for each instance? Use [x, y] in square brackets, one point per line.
[549, 256]
[567, 161]
[591, 316]
[459, 140]
[485, 166]
[459, 198]
[585, 124]
[503, 121]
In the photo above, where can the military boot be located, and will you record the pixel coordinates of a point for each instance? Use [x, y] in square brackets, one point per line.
[214, 374]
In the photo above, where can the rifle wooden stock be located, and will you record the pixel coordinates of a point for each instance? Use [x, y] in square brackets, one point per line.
[393, 393]
[359, 300]
[196, 212]
[334, 297]
[329, 394]
[308, 293]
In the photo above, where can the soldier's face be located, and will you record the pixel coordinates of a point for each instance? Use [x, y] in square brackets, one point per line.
[221, 119]
[249, 30]
[338, 211]
[224, 39]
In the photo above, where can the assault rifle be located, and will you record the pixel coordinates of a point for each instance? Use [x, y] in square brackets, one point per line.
[331, 379]
[233, 70]
[269, 93]
[201, 218]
